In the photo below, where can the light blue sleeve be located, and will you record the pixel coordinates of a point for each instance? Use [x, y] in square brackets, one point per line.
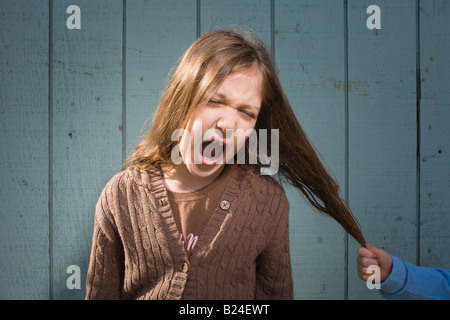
[410, 282]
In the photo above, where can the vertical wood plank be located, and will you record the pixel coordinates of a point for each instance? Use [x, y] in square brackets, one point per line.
[435, 134]
[24, 228]
[309, 47]
[87, 96]
[157, 34]
[253, 15]
[382, 131]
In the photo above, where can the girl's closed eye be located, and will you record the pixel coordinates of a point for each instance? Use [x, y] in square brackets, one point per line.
[215, 102]
[244, 111]
[248, 113]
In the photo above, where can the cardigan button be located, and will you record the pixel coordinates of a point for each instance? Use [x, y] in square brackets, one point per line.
[185, 267]
[224, 205]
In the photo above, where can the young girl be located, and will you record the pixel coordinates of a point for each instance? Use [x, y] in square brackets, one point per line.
[186, 219]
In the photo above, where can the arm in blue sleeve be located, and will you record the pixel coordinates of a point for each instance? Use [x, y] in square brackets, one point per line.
[408, 281]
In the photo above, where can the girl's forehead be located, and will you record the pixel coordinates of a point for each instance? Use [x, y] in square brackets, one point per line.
[244, 82]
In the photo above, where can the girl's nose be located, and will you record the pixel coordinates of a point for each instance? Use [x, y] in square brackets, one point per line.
[227, 119]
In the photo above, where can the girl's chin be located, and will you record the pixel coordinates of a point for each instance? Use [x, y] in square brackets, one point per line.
[204, 170]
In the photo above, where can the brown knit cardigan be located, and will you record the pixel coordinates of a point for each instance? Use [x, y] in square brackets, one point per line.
[243, 252]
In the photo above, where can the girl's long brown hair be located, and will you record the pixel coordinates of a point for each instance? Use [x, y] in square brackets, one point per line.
[201, 70]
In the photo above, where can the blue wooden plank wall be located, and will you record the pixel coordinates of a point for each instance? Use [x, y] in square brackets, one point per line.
[74, 103]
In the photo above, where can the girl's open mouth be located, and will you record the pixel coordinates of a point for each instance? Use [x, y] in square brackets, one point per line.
[211, 152]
